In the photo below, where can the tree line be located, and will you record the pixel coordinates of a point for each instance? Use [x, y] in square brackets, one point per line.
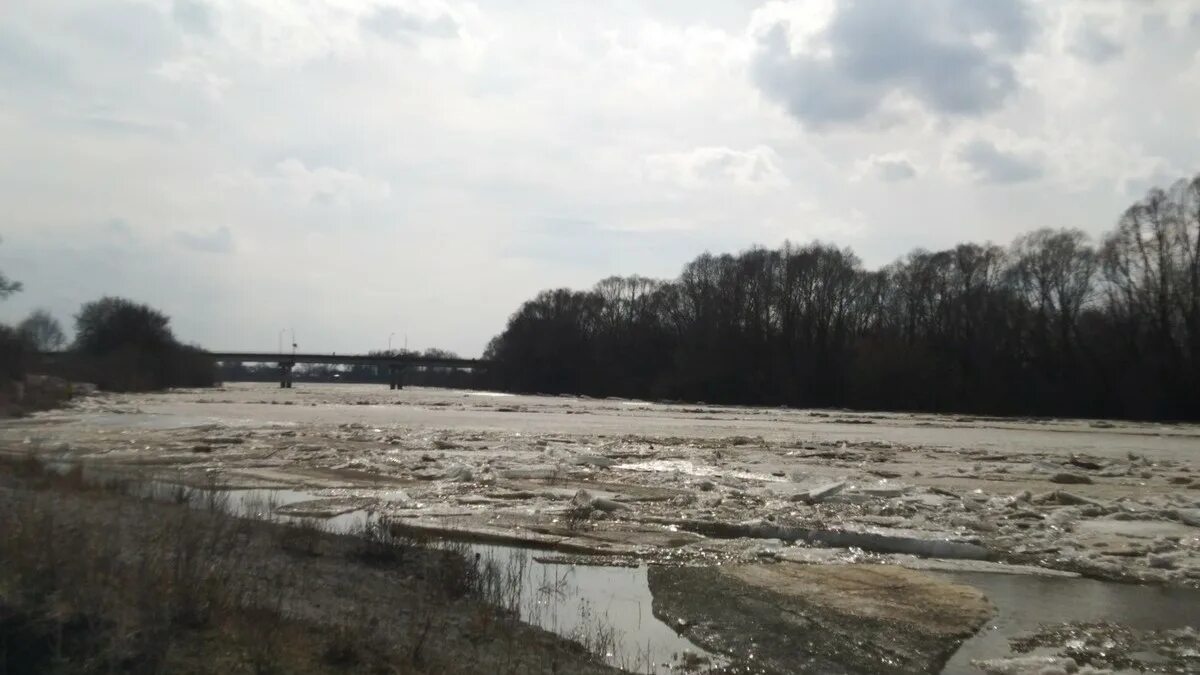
[119, 345]
[1051, 325]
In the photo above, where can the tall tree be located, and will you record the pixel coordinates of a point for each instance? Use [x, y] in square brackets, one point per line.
[42, 331]
[12, 344]
[1151, 265]
[109, 324]
[8, 287]
[130, 346]
[1054, 270]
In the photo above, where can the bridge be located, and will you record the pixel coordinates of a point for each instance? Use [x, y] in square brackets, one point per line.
[395, 363]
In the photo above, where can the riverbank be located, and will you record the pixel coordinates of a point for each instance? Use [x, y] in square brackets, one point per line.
[98, 577]
[37, 393]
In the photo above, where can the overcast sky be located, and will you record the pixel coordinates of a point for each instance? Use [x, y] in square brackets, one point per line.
[354, 168]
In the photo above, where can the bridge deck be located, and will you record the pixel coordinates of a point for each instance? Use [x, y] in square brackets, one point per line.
[346, 359]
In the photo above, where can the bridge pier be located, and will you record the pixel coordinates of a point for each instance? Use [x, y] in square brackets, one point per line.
[285, 375]
[395, 377]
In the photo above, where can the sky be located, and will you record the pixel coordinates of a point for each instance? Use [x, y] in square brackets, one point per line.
[359, 171]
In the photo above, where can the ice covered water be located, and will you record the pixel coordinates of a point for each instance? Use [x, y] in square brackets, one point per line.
[1023, 603]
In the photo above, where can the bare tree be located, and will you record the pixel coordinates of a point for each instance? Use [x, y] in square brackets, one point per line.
[1152, 274]
[1054, 269]
[1048, 326]
[43, 331]
[8, 287]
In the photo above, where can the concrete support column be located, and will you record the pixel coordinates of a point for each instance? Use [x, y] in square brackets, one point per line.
[285, 375]
[395, 377]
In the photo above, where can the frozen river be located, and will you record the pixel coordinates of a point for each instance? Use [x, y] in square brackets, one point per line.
[257, 404]
[640, 483]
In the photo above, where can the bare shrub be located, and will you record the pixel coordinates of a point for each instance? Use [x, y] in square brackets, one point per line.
[577, 516]
[378, 543]
[302, 536]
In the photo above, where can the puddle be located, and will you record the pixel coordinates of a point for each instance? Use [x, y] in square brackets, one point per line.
[265, 502]
[605, 607]
[596, 606]
[1023, 603]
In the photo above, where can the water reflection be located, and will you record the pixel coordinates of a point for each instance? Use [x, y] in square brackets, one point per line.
[606, 609]
[1023, 603]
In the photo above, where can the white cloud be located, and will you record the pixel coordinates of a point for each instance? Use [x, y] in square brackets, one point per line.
[194, 72]
[989, 163]
[753, 170]
[401, 23]
[842, 64]
[195, 16]
[1092, 43]
[218, 240]
[439, 167]
[286, 34]
[890, 167]
[804, 23]
[321, 186]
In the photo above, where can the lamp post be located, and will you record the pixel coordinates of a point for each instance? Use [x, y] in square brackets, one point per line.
[285, 369]
[390, 343]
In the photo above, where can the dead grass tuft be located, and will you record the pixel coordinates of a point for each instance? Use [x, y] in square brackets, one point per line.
[102, 575]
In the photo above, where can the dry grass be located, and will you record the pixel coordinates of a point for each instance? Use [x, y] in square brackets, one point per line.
[110, 576]
[576, 516]
[98, 592]
[303, 537]
[379, 544]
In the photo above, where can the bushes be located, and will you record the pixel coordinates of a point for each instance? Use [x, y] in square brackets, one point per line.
[120, 345]
[14, 356]
[124, 346]
[131, 369]
[113, 598]
[14, 353]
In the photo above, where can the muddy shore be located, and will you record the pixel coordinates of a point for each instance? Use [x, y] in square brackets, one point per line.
[108, 577]
[822, 619]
